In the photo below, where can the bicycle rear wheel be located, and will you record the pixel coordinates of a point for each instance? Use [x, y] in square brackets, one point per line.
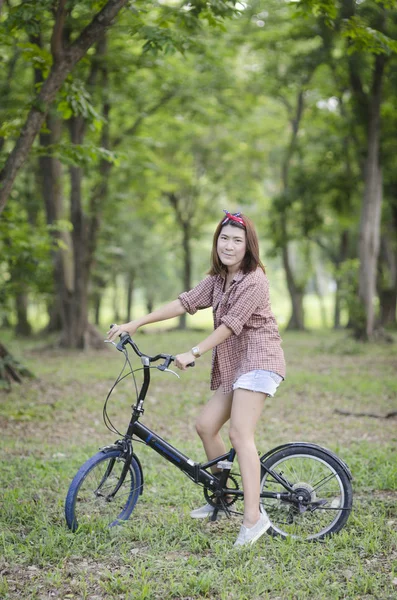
[322, 499]
[96, 494]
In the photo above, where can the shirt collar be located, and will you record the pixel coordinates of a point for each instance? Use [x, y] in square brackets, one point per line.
[238, 276]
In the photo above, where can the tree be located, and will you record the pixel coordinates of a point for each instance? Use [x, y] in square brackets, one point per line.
[64, 60]
[370, 35]
[387, 265]
[288, 61]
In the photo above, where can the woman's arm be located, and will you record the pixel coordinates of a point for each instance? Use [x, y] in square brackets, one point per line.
[219, 335]
[169, 311]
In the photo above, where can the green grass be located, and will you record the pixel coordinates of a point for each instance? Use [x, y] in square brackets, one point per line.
[51, 425]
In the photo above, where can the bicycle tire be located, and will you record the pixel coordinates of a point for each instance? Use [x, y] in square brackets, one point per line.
[88, 500]
[321, 479]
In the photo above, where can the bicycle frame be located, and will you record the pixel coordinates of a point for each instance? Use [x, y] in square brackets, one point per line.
[198, 471]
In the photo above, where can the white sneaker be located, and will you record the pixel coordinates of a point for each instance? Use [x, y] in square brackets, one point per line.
[204, 511]
[249, 535]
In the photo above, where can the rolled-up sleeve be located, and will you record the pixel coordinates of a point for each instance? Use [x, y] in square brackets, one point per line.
[199, 297]
[248, 296]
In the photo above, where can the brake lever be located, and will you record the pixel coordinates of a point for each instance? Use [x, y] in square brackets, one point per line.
[170, 371]
[110, 342]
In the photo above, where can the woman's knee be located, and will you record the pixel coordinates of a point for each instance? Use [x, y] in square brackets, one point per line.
[241, 438]
[237, 437]
[205, 428]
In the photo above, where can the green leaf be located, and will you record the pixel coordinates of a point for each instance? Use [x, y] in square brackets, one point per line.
[366, 39]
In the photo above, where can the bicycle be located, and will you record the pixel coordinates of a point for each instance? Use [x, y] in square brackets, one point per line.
[305, 489]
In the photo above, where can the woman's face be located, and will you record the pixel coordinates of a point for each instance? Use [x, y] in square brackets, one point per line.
[231, 246]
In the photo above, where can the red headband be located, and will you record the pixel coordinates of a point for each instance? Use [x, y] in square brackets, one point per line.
[233, 217]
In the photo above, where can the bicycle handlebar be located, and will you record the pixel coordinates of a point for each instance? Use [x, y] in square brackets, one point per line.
[125, 338]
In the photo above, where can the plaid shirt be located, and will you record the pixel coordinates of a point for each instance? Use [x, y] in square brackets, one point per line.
[245, 309]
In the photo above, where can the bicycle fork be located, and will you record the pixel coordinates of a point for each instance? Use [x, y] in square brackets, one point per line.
[127, 452]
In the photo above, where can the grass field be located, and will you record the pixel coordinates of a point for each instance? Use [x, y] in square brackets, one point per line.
[51, 425]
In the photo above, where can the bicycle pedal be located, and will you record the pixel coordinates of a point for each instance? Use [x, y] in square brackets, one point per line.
[224, 464]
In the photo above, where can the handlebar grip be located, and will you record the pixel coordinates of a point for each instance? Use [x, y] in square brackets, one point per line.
[192, 364]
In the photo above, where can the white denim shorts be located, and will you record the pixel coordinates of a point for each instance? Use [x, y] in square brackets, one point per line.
[260, 380]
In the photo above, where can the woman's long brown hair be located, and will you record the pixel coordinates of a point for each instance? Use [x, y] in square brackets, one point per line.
[251, 259]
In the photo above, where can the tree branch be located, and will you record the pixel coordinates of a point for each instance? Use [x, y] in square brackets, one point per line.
[57, 32]
[132, 130]
[295, 123]
[348, 10]
[286, 103]
[327, 250]
[388, 415]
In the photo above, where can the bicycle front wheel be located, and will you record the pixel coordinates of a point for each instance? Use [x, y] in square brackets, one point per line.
[322, 498]
[99, 495]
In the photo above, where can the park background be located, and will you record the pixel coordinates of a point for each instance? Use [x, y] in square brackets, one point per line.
[125, 129]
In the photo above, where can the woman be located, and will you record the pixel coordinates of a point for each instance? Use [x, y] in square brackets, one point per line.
[247, 359]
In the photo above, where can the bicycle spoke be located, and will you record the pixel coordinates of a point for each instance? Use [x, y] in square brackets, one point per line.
[321, 483]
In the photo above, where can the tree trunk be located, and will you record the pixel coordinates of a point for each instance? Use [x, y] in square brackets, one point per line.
[75, 322]
[76, 332]
[54, 324]
[51, 184]
[320, 296]
[97, 308]
[11, 371]
[297, 318]
[337, 307]
[130, 294]
[296, 292]
[370, 212]
[115, 300]
[343, 254]
[96, 295]
[5, 322]
[388, 307]
[182, 322]
[187, 266]
[64, 61]
[149, 303]
[387, 279]
[184, 211]
[23, 326]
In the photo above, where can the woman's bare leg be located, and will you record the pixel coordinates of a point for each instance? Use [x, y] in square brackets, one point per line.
[210, 421]
[246, 410]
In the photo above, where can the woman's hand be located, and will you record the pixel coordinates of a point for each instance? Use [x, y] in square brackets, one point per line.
[117, 330]
[183, 360]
